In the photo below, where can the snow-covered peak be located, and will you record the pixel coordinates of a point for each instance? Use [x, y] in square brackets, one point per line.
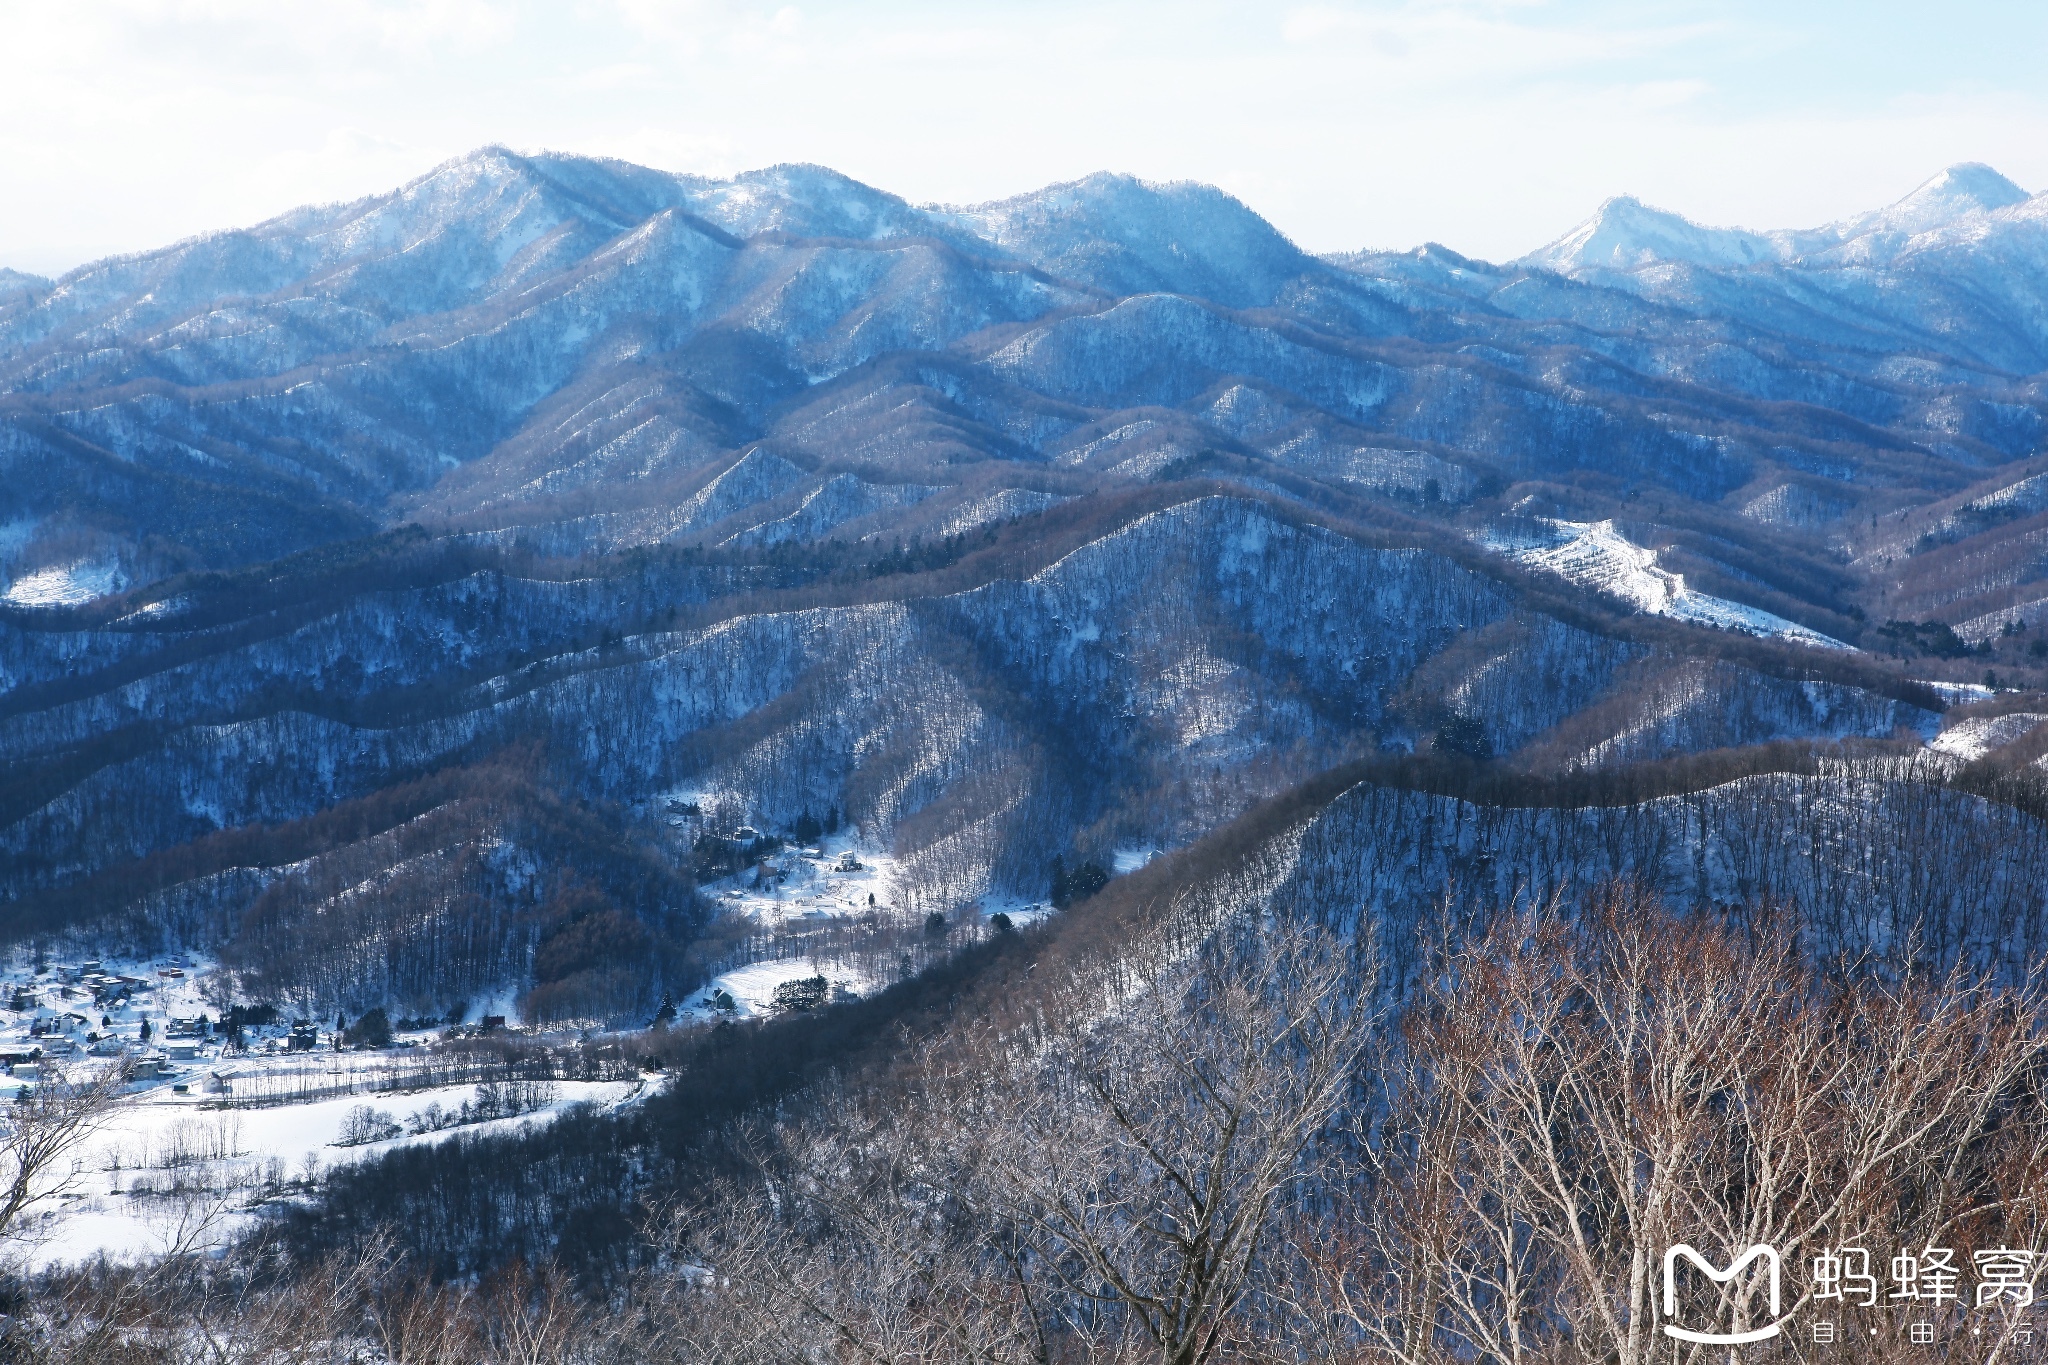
[1962, 198]
[494, 199]
[1627, 234]
[497, 196]
[1971, 187]
[1104, 194]
[804, 201]
[1130, 236]
[794, 199]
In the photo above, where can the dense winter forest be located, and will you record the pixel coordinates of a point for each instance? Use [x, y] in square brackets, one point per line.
[1056, 780]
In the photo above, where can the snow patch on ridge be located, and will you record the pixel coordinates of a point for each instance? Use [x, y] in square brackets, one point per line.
[1592, 554]
[1958, 694]
[65, 585]
[1976, 736]
[1001, 505]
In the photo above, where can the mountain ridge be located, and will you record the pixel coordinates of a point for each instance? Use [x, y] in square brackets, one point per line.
[1058, 527]
[1625, 234]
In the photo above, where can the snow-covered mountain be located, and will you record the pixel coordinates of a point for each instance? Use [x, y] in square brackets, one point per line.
[1961, 200]
[1951, 274]
[15, 283]
[805, 201]
[543, 522]
[1128, 236]
[488, 334]
[1625, 234]
[1594, 555]
[1965, 201]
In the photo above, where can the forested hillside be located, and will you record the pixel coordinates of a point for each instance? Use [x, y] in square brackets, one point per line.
[575, 596]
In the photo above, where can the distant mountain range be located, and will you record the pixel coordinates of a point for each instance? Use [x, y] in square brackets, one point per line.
[1965, 203]
[1070, 524]
[509, 338]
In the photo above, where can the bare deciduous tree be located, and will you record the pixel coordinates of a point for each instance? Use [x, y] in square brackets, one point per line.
[416, 1323]
[41, 1134]
[1107, 1185]
[1146, 1159]
[1576, 1093]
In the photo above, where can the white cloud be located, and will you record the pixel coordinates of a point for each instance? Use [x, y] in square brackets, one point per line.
[1664, 94]
[616, 76]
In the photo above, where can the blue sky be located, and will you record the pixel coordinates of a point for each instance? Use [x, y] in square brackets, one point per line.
[1490, 125]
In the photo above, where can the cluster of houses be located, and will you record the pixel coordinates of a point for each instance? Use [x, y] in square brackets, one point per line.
[776, 868]
[57, 1014]
[61, 1012]
[104, 990]
[112, 988]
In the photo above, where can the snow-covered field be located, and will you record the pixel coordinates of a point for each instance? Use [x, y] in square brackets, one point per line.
[1593, 554]
[833, 879]
[174, 1170]
[1131, 859]
[839, 879]
[752, 987]
[1959, 694]
[194, 1149]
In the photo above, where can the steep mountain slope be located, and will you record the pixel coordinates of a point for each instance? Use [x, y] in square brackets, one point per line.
[1889, 855]
[1173, 667]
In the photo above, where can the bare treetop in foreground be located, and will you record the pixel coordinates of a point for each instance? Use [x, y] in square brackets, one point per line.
[1575, 1094]
[42, 1132]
